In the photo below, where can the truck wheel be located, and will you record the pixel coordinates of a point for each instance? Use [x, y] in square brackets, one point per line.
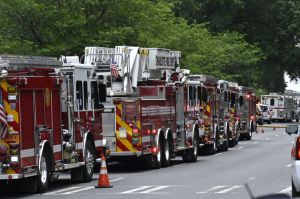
[249, 136]
[158, 157]
[166, 154]
[194, 152]
[225, 146]
[43, 177]
[89, 162]
[212, 148]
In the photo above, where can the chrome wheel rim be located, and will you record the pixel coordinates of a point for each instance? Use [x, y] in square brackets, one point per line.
[167, 152]
[195, 148]
[158, 156]
[43, 170]
[89, 161]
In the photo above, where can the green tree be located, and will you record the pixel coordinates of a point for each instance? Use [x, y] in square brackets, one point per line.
[272, 24]
[66, 27]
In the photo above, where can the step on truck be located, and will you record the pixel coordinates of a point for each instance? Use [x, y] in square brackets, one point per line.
[50, 122]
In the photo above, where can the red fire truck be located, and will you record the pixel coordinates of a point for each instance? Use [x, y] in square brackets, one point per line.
[246, 113]
[202, 105]
[50, 121]
[228, 110]
[144, 110]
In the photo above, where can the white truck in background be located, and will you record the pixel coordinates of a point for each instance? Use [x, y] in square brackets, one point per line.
[282, 106]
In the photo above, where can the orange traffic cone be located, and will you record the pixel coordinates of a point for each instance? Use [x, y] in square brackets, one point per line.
[103, 180]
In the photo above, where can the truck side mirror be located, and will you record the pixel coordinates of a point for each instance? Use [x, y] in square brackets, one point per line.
[291, 129]
[102, 92]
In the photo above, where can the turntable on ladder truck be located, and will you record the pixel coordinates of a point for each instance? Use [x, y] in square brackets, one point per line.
[51, 121]
[143, 112]
[246, 113]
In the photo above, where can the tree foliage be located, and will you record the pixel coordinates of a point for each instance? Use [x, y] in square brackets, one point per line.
[55, 27]
[271, 24]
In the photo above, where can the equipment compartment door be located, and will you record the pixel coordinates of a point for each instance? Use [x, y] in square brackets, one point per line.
[180, 116]
[109, 121]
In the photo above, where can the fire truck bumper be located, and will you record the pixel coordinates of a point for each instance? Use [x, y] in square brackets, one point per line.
[10, 176]
[129, 153]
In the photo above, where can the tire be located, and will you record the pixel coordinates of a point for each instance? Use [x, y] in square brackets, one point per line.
[89, 159]
[43, 177]
[166, 153]
[231, 143]
[157, 159]
[295, 193]
[191, 155]
[236, 141]
[195, 151]
[212, 148]
[249, 136]
[225, 146]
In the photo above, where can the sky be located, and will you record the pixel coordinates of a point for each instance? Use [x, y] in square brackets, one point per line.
[291, 85]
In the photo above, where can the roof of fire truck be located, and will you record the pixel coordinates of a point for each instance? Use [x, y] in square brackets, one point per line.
[204, 79]
[20, 65]
[244, 90]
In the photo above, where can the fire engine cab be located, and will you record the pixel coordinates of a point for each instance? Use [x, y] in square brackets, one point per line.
[52, 121]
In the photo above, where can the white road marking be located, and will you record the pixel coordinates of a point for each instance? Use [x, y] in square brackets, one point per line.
[252, 178]
[229, 189]
[255, 142]
[267, 139]
[136, 189]
[78, 190]
[154, 189]
[116, 179]
[286, 190]
[289, 165]
[61, 190]
[241, 147]
[212, 189]
[276, 135]
[218, 154]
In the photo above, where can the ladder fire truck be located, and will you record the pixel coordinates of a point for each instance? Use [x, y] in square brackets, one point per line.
[246, 113]
[50, 121]
[228, 110]
[144, 111]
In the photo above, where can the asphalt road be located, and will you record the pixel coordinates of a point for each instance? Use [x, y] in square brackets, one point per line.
[263, 163]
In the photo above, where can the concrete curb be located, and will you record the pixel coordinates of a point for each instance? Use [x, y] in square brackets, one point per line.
[262, 126]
